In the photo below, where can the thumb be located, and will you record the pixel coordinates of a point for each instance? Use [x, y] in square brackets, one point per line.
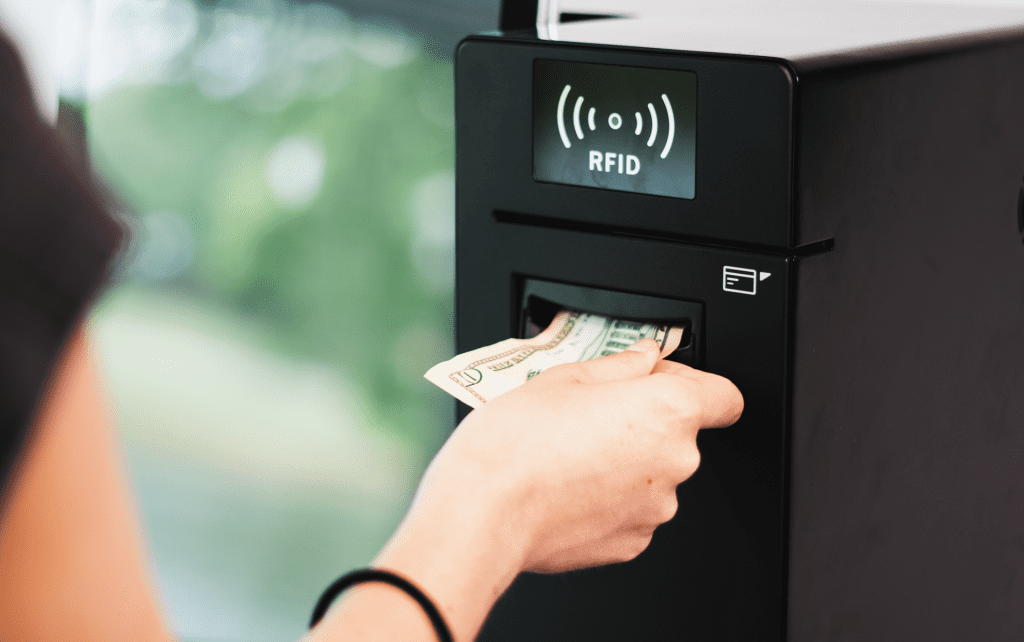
[636, 361]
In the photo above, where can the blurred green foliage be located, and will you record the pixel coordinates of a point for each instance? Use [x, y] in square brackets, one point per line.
[267, 325]
[333, 280]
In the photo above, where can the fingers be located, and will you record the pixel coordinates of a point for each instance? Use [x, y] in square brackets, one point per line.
[720, 400]
[637, 361]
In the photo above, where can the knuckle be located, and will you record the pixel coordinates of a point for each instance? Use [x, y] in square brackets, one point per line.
[669, 507]
[634, 546]
[728, 400]
[687, 462]
[673, 398]
[689, 411]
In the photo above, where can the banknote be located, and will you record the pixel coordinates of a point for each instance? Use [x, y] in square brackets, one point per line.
[477, 376]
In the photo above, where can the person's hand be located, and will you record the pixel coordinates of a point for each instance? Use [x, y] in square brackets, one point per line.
[575, 468]
[587, 456]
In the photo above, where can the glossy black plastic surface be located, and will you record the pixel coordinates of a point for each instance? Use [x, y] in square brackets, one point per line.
[890, 508]
[729, 532]
[908, 414]
[743, 158]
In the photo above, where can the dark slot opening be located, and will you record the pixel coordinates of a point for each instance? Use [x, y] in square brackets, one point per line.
[542, 300]
[549, 222]
[573, 16]
[1020, 213]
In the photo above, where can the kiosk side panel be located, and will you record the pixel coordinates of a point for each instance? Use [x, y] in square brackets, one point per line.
[908, 415]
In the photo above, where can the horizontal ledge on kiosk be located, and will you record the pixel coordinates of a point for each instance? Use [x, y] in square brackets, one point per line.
[533, 220]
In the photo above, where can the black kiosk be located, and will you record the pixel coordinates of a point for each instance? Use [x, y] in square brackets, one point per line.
[830, 196]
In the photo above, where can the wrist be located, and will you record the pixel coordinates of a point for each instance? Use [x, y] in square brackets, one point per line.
[463, 557]
[366, 610]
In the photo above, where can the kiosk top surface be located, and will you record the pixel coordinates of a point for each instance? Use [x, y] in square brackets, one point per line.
[807, 34]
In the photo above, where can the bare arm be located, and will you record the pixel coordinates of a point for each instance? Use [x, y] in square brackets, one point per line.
[574, 469]
[71, 551]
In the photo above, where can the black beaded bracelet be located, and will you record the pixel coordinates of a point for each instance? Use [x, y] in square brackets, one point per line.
[387, 577]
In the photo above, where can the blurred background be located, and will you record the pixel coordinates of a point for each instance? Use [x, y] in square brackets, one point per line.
[286, 168]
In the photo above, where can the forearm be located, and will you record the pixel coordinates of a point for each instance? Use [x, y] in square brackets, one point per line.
[576, 468]
[71, 554]
[72, 561]
[462, 556]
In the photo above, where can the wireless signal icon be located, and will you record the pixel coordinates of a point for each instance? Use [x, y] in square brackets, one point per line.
[615, 121]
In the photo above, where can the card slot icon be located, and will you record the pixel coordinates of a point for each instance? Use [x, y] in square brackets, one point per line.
[739, 280]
